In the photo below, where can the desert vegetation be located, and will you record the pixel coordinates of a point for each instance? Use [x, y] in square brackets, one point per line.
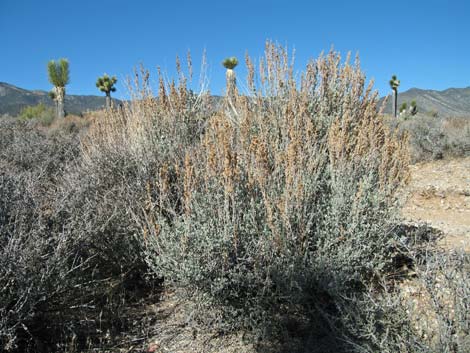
[273, 213]
[106, 84]
[59, 76]
[41, 113]
[432, 137]
[394, 84]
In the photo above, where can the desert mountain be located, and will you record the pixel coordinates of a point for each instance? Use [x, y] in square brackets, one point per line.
[450, 102]
[453, 102]
[13, 99]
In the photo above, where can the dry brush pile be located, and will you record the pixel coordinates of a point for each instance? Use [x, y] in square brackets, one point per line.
[67, 265]
[274, 211]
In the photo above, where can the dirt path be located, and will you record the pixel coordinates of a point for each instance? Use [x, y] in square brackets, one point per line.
[439, 194]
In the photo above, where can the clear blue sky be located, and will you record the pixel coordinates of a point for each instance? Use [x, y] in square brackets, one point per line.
[426, 43]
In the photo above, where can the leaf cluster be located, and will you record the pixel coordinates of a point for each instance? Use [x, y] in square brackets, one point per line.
[58, 72]
[394, 82]
[230, 63]
[106, 83]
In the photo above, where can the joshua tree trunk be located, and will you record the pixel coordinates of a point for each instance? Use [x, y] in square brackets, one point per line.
[108, 101]
[395, 102]
[231, 82]
[60, 91]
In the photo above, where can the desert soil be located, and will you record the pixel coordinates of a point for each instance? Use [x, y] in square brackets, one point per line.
[439, 194]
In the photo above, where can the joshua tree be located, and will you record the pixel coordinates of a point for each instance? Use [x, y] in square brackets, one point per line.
[394, 83]
[58, 73]
[106, 84]
[230, 64]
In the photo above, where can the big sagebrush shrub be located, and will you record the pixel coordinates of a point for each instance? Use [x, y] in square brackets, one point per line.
[288, 200]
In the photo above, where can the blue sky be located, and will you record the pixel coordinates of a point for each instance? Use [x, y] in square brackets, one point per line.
[426, 43]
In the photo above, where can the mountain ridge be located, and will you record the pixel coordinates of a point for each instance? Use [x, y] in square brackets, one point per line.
[13, 99]
[449, 102]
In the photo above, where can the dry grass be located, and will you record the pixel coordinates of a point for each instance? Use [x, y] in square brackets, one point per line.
[72, 123]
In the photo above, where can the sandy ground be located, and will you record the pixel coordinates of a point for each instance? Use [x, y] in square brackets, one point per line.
[439, 194]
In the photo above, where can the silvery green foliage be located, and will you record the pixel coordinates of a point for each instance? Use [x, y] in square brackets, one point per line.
[254, 284]
[246, 262]
[446, 279]
[382, 320]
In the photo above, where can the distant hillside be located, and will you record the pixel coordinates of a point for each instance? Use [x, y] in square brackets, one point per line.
[13, 99]
[450, 102]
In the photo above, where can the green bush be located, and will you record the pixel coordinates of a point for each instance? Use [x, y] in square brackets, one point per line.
[40, 112]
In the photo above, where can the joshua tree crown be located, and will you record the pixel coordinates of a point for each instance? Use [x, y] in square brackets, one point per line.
[58, 72]
[230, 63]
[394, 83]
[106, 84]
